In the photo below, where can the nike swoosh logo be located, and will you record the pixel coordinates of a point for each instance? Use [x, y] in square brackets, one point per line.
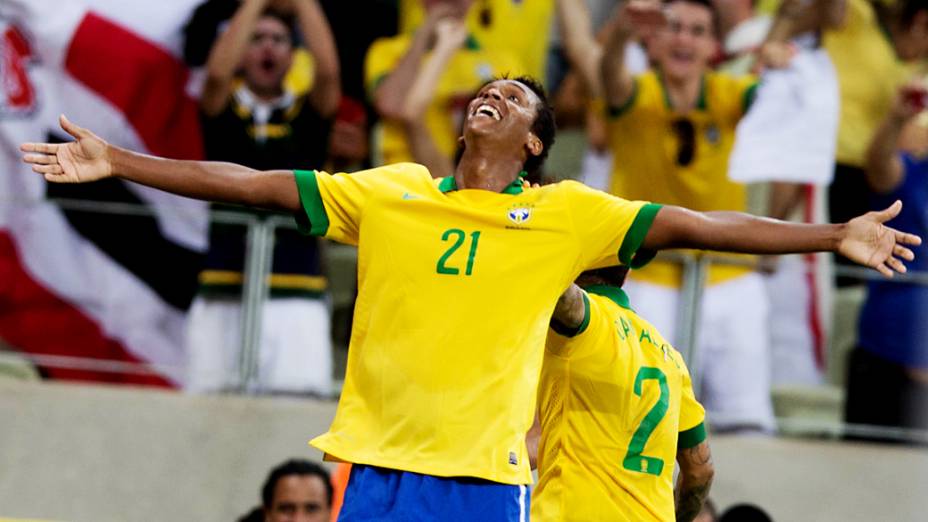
[407, 196]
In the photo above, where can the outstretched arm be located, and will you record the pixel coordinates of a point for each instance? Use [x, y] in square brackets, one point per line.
[864, 240]
[90, 158]
[696, 472]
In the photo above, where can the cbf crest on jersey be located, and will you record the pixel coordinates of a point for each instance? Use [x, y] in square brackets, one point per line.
[519, 214]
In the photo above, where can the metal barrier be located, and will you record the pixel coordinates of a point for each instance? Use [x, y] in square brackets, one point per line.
[257, 266]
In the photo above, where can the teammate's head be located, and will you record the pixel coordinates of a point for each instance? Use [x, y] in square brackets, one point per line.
[269, 53]
[297, 490]
[610, 275]
[513, 114]
[684, 47]
[907, 21]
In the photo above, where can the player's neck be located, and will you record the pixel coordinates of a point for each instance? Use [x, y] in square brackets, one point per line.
[683, 92]
[483, 171]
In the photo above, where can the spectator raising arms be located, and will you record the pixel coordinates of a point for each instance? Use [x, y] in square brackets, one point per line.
[252, 119]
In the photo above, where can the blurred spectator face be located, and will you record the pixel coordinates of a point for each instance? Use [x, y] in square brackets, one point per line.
[299, 498]
[268, 56]
[685, 45]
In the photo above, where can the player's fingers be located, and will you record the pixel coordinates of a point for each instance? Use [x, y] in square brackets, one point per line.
[896, 265]
[903, 252]
[48, 169]
[905, 238]
[883, 269]
[45, 148]
[42, 159]
[71, 128]
[889, 212]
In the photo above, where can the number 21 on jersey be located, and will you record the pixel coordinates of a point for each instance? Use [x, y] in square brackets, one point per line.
[456, 238]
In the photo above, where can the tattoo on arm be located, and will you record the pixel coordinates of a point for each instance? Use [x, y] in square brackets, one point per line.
[696, 473]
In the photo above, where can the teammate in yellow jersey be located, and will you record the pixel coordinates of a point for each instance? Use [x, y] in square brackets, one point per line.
[458, 278]
[615, 406]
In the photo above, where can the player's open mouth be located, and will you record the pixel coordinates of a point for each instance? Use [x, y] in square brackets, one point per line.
[267, 65]
[488, 110]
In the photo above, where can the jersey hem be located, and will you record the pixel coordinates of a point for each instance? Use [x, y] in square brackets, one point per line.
[344, 456]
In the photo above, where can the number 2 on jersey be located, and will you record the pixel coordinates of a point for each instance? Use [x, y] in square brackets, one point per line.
[459, 235]
[634, 460]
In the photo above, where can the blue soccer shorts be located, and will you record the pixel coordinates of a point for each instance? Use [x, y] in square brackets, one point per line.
[380, 494]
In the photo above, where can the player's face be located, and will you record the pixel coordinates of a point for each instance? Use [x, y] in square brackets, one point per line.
[299, 498]
[268, 55]
[504, 109]
[685, 45]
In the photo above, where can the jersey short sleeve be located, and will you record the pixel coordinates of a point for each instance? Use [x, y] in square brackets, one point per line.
[333, 204]
[692, 416]
[608, 228]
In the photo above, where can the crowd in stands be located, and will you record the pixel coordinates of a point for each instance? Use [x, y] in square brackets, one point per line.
[802, 108]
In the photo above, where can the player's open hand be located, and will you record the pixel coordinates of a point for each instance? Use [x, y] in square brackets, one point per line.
[868, 241]
[79, 161]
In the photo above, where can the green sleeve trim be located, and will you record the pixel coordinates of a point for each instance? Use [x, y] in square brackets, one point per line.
[565, 331]
[692, 437]
[313, 220]
[635, 237]
[750, 94]
[615, 112]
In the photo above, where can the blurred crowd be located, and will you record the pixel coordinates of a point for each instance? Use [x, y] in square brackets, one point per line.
[797, 109]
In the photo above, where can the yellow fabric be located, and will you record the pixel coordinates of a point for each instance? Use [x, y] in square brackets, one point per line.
[518, 27]
[443, 368]
[644, 148]
[467, 71]
[868, 74]
[589, 413]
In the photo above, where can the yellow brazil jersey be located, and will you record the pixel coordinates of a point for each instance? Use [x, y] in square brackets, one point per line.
[468, 70]
[645, 137]
[616, 403]
[868, 74]
[517, 26]
[455, 291]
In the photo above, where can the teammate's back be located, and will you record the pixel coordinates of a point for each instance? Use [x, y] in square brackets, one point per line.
[615, 403]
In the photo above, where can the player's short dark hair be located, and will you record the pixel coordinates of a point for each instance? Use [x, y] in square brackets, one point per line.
[610, 275]
[544, 127]
[708, 5]
[294, 467]
[907, 9]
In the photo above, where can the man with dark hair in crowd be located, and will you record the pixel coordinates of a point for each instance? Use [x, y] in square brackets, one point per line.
[294, 491]
[256, 121]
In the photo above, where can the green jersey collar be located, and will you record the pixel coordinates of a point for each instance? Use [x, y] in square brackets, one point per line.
[701, 102]
[614, 293]
[448, 185]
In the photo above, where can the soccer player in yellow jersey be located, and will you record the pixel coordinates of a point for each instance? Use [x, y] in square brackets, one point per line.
[457, 280]
[616, 405]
